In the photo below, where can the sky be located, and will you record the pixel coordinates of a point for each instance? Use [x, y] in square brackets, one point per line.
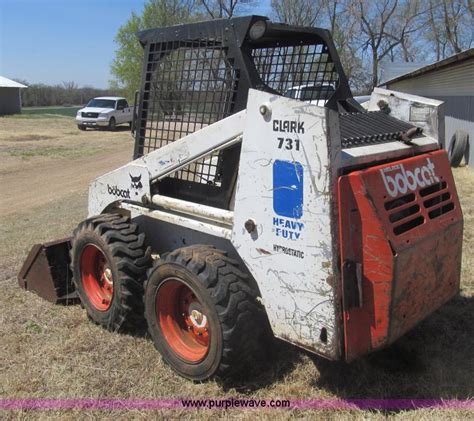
[51, 41]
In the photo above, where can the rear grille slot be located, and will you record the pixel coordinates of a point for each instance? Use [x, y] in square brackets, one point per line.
[433, 188]
[409, 225]
[437, 200]
[441, 211]
[399, 201]
[404, 213]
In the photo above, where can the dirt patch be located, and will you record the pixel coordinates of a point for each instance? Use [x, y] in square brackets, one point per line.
[40, 184]
[66, 162]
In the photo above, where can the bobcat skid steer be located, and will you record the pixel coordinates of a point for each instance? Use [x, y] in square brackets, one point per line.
[245, 213]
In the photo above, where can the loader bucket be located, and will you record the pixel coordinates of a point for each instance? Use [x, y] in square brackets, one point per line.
[46, 272]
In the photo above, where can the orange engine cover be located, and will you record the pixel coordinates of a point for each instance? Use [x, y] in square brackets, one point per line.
[401, 238]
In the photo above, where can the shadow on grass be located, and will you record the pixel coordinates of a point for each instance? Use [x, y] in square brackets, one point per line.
[121, 128]
[281, 359]
[433, 361]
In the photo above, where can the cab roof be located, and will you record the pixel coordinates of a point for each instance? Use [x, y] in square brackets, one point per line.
[114, 98]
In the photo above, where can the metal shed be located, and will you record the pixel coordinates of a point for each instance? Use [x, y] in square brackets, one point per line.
[10, 98]
[450, 80]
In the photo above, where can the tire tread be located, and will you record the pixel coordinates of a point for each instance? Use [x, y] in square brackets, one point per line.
[132, 258]
[243, 320]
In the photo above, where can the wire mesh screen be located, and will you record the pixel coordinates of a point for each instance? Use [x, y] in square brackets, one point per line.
[304, 72]
[188, 85]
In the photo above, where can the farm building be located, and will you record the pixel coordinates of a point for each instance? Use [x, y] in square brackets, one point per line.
[10, 98]
[450, 80]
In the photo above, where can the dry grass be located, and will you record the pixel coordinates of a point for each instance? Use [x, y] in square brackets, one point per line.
[43, 140]
[54, 352]
[465, 186]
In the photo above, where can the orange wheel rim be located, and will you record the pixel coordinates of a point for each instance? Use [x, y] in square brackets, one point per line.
[96, 277]
[183, 322]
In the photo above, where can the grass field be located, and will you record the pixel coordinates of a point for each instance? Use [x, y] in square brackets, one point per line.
[49, 351]
[50, 111]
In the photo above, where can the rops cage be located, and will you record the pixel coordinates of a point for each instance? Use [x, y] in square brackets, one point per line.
[196, 74]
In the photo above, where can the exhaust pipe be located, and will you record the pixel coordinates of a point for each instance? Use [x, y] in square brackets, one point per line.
[47, 272]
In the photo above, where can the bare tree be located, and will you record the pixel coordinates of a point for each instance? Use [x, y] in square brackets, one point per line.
[410, 18]
[70, 85]
[297, 12]
[338, 17]
[385, 26]
[344, 28]
[450, 26]
[451, 11]
[373, 23]
[435, 35]
[470, 7]
[220, 8]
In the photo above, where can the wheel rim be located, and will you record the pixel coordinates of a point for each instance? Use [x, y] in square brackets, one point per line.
[183, 322]
[97, 277]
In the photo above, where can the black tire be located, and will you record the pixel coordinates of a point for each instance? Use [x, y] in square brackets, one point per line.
[112, 124]
[238, 327]
[128, 258]
[81, 127]
[458, 148]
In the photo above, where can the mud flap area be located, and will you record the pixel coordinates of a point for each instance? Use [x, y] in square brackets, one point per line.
[47, 273]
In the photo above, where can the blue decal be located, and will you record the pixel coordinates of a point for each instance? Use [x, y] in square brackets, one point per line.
[288, 189]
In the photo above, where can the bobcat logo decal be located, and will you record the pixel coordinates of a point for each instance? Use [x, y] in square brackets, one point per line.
[136, 181]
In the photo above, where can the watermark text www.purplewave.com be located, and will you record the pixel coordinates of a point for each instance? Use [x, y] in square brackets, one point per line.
[234, 403]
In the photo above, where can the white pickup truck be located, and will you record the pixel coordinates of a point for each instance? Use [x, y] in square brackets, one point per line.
[105, 111]
[316, 93]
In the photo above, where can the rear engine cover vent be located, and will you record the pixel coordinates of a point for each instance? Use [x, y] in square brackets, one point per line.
[413, 197]
[437, 199]
[404, 213]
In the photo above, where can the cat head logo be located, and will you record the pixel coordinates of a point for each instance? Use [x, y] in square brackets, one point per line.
[136, 181]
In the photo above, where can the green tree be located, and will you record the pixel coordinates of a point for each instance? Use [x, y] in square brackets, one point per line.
[127, 64]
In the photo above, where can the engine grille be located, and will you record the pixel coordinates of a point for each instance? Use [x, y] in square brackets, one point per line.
[404, 213]
[437, 199]
[90, 115]
[413, 197]
[372, 127]
[412, 210]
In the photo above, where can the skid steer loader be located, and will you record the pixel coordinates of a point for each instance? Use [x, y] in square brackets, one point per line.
[245, 211]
